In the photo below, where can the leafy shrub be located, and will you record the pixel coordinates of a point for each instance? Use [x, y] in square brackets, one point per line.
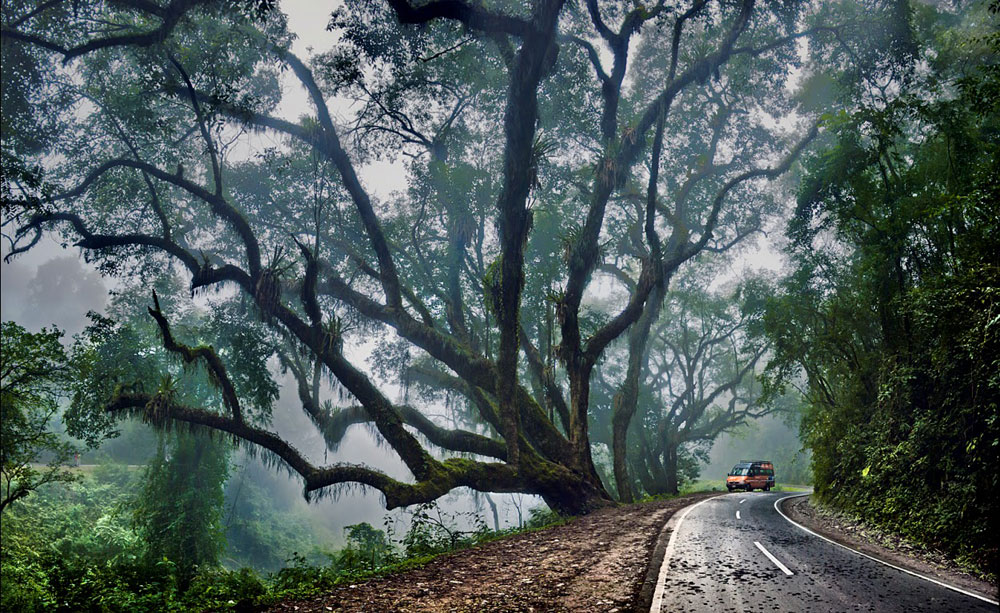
[24, 587]
[242, 589]
[73, 547]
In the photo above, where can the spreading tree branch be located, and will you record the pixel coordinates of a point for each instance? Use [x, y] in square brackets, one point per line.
[170, 16]
[473, 16]
[216, 369]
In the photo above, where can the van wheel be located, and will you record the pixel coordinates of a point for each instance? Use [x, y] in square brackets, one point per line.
[767, 488]
[749, 488]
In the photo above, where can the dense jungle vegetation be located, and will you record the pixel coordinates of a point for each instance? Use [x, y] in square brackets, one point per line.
[891, 309]
[557, 303]
[106, 541]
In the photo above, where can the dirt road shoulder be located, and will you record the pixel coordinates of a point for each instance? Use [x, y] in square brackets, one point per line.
[594, 563]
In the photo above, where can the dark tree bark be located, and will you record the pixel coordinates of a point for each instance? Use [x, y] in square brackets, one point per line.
[532, 455]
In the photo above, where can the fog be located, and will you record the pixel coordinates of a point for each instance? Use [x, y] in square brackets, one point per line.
[769, 438]
[50, 285]
[53, 285]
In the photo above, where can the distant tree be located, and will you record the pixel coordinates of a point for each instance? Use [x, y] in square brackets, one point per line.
[704, 378]
[699, 381]
[33, 378]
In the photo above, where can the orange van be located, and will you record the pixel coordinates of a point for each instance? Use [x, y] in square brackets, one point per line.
[751, 475]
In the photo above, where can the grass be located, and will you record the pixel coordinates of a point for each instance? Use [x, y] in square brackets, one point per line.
[793, 488]
[703, 485]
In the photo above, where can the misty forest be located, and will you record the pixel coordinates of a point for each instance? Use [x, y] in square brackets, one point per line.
[300, 294]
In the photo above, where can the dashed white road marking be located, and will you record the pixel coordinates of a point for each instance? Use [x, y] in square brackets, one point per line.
[777, 562]
[742, 501]
[737, 515]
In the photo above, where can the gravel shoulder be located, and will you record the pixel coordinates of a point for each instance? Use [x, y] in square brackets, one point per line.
[594, 563]
[887, 547]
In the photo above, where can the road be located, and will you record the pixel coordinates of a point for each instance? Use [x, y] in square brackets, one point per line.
[737, 553]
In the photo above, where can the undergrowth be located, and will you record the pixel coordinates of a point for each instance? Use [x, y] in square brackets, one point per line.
[86, 571]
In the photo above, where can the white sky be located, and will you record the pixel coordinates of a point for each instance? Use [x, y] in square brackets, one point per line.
[308, 21]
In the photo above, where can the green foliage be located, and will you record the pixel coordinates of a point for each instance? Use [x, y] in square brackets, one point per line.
[433, 531]
[238, 590]
[263, 529]
[122, 352]
[543, 517]
[369, 545]
[891, 312]
[35, 374]
[58, 543]
[24, 588]
[179, 512]
[77, 547]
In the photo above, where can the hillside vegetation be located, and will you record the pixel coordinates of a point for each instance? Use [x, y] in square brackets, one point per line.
[891, 315]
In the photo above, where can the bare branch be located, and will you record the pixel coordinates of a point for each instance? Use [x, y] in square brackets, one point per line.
[213, 154]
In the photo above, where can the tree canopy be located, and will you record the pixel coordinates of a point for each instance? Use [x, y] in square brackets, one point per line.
[563, 162]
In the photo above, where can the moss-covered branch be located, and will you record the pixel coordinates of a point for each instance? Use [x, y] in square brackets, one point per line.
[536, 476]
[216, 369]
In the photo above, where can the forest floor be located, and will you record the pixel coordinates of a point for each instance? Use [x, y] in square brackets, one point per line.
[598, 562]
[882, 545]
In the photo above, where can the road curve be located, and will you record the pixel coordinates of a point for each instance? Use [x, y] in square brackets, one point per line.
[737, 553]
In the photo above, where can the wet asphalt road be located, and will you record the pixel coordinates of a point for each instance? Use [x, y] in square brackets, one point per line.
[715, 566]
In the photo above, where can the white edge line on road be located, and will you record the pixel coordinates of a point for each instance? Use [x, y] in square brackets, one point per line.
[661, 577]
[737, 515]
[770, 557]
[908, 572]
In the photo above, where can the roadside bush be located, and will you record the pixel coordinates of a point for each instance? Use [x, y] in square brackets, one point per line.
[541, 517]
[242, 590]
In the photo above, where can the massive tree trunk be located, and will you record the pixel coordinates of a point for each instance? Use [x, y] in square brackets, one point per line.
[671, 447]
[640, 462]
[627, 398]
[579, 438]
[670, 467]
[304, 300]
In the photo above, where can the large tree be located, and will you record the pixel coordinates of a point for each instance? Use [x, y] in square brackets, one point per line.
[152, 161]
[703, 370]
[698, 380]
